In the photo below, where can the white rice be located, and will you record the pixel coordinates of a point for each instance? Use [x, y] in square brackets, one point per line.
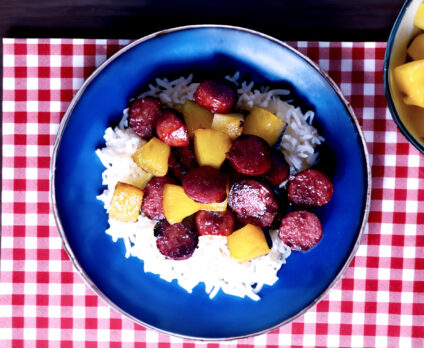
[210, 263]
[121, 143]
[212, 254]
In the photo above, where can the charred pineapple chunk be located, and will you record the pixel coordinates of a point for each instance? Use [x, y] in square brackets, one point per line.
[264, 124]
[142, 179]
[247, 243]
[126, 202]
[176, 204]
[210, 147]
[232, 124]
[196, 116]
[153, 157]
[419, 17]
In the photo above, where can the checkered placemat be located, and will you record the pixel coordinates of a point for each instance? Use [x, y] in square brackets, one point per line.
[45, 303]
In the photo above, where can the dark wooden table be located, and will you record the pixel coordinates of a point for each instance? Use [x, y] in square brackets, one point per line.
[332, 20]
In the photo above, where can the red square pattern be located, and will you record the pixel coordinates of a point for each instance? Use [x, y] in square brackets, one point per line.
[379, 302]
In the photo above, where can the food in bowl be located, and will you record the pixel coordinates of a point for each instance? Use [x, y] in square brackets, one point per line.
[205, 161]
[409, 77]
[406, 71]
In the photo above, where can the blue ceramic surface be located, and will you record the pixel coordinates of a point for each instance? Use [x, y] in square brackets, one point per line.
[207, 52]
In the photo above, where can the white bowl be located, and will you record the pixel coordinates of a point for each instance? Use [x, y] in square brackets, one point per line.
[402, 33]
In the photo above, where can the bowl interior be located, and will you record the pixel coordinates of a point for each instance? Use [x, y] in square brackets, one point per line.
[405, 116]
[207, 52]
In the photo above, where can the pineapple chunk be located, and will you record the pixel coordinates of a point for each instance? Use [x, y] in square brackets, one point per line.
[409, 78]
[176, 204]
[196, 116]
[142, 179]
[419, 17]
[221, 206]
[416, 117]
[153, 157]
[264, 124]
[232, 124]
[247, 243]
[416, 49]
[210, 147]
[126, 202]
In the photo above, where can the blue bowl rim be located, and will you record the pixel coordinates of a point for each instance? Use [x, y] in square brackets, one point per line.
[386, 80]
[69, 112]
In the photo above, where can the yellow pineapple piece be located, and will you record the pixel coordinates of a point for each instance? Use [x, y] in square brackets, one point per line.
[176, 204]
[416, 115]
[153, 157]
[196, 116]
[409, 79]
[141, 179]
[232, 124]
[210, 147]
[419, 17]
[221, 206]
[416, 48]
[247, 243]
[264, 124]
[126, 202]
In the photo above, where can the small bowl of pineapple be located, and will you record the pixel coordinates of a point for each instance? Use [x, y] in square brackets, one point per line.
[404, 72]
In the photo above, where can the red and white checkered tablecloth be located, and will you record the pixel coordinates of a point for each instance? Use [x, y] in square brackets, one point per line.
[45, 303]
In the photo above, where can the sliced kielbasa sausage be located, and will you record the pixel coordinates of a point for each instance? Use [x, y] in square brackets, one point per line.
[216, 96]
[253, 203]
[300, 230]
[171, 129]
[214, 223]
[177, 241]
[205, 184]
[279, 171]
[143, 114]
[181, 160]
[250, 155]
[153, 196]
[310, 188]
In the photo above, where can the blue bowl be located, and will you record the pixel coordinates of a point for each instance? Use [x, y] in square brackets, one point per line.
[206, 51]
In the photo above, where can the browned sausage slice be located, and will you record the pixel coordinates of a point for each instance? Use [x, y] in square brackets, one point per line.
[177, 241]
[186, 156]
[250, 155]
[279, 171]
[214, 223]
[143, 114]
[153, 196]
[171, 129]
[205, 184]
[300, 230]
[253, 203]
[181, 160]
[216, 96]
[310, 188]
